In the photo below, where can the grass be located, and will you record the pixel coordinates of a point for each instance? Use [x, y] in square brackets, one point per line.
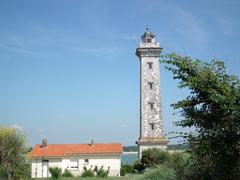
[130, 177]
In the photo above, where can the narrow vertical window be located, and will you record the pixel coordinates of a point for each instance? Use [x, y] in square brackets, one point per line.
[152, 126]
[150, 85]
[151, 105]
[150, 65]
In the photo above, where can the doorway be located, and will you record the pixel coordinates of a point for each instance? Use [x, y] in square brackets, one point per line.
[45, 168]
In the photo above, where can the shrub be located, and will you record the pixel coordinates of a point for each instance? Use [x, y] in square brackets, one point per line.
[178, 161]
[138, 166]
[55, 172]
[101, 172]
[23, 172]
[153, 157]
[128, 167]
[67, 173]
[162, 172]
[87, 172]
[122, 171]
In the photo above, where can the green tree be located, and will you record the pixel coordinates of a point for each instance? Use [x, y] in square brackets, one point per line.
[12, 154]
[213, 108]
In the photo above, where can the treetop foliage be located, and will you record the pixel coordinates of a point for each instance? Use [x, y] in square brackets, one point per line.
[12, 154]
[213, 108]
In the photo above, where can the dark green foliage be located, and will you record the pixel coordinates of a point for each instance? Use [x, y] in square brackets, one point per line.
[213, 108]
[177, 146]
[87, 172]
[101, 172]
[138, 166]
[55, 172]
[128, 167]
[153, 157]
[3, 174]
[67, 173]
[178, 162]
[123, 171]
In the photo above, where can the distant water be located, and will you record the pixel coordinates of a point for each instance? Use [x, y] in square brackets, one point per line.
[129, 158]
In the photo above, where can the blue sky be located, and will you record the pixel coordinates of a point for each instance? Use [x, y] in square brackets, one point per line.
[68, 70]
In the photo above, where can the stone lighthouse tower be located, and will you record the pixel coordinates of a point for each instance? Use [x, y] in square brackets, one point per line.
[151, 121]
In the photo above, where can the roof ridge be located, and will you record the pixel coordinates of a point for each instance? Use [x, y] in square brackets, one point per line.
[82, 144]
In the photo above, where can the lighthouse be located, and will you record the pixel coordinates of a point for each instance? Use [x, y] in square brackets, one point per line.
[151, 120]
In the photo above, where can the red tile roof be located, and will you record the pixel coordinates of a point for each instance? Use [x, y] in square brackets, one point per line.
[68, 149]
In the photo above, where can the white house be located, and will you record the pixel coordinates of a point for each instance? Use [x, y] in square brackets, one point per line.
[74, 157]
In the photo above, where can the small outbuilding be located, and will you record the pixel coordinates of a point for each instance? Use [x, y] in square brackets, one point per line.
[74, 157]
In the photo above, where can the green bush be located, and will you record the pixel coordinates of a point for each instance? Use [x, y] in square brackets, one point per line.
[153, 157]
[55, 172]
[87, 172]
[67, 173]
[122, 171]
[23, 172]
[162, 172]
[138, 166]
[101, 172]
[179, 162]
[176, 164]
[128, 167]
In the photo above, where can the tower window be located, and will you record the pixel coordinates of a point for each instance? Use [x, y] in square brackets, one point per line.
[152, 126]
[150, 65]
[150, 85]
[151, 105]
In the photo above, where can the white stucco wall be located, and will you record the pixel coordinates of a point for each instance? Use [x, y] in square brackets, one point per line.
[36, 168]
[111, 161]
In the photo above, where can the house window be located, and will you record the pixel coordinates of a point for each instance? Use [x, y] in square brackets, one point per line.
[151, 105]
[149, 40]
[150, 65]
[150, 85]
[73, 165]
[86, 161]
